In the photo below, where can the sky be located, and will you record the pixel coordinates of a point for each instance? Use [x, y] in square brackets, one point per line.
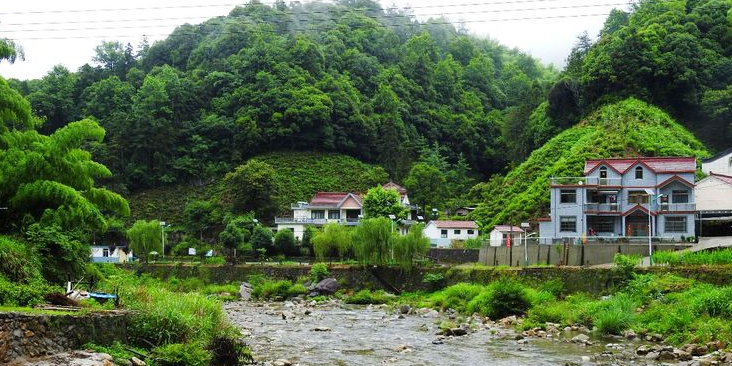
[52, 34]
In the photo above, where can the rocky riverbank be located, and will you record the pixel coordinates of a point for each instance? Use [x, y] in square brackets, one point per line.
[302, 332]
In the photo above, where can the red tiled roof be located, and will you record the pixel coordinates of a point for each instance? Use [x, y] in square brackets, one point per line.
[393, 185]
[455, 224]
[330, 198]
[658, 165]
[724, 178]
[508, 228]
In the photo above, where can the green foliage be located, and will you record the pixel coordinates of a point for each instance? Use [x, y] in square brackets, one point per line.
[284, 242]
[373, 241]
[407, 248]
[145, 237]
[615, 315]
[262, 239]
[455, 297]
[118, 351]
[366, 297]
[177, 354]
[26, 293]
[627, 128]
[318, 272]
[334, 240]
[251, 187]
[473, 243]
[713, 257]
[625, 264]
[501, 299]
[269, 290]
[17, 262]
[426, 185]
[380, 202]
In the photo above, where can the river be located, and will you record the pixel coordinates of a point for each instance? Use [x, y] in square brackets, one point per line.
[337, 334]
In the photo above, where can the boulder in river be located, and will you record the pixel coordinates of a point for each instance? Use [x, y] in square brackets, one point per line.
[328, 286]
[245, 291]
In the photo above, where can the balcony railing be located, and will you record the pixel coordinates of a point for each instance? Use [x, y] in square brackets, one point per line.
[586, 181]
[307, 220]
[674, 207]
[602, 207]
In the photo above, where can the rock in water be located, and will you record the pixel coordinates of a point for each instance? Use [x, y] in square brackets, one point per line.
[245, 291]
[137, 362]
[328, 286]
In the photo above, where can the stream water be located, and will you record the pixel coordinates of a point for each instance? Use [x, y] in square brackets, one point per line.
[336, 334]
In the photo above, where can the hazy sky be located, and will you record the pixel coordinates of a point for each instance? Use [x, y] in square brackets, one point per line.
[51, 33]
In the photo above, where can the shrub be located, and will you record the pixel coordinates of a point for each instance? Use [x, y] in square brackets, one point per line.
[16, 263]
[24, 294]
[710, 300]
[434, 280]
[318, 272]
[501, 299]
[215, 260]
[625, 264]
[177, 354]
[365, 297]
[227, 351]
[272, 290]
[614, 315]
[455, 297]
[284, 242]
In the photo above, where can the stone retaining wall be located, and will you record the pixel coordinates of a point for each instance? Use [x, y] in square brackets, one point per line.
[584, 279]
[442, 255]
[34, 335]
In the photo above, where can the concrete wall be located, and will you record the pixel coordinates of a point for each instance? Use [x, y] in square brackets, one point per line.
[452, 256]
[34, 335]
[713, 194]
[559, 254]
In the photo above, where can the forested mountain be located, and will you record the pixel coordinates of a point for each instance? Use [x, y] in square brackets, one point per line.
[624, 129]
[348, 77]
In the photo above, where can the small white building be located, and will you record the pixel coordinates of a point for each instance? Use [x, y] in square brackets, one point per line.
[442, 233]
[107, 254]
[719, 164]
[500, 235]
[714, 193]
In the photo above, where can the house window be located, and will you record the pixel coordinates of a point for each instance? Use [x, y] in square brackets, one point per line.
[443, 234]
[602, 224]
[675, 224]
[638, 173]
[680, 196]
[471, 232]
[637, 197]
[603, 172]
[334, 215]
[568, 223]
[730, 162]
[317, 214]
[457, 232]
[105, 252]
[568, 196]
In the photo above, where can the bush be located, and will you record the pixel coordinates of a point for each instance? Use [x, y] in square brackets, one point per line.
[215, 260]
[625, 264]
[455, 297]
[16, 262]
[614, 315]
[284, 242]
[24, 294]
[366, 297]
[501, 299]
[272, 290]
[227, 351]
[177, 354]
[318, 272]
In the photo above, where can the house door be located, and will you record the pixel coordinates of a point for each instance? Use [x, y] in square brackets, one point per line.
[636, 229]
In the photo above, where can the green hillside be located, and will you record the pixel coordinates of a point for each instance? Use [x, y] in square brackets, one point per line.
[298, 176]
[624, 129]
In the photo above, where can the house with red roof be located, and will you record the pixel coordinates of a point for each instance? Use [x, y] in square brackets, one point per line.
[628, 197]
[344, 208]
[442, 233]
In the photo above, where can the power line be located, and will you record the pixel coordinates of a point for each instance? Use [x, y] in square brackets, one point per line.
[567, 7]
[411, 25]
[197, 6]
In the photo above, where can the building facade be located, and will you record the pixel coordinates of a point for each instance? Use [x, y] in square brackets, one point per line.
[106, 254]
[719, 164]
[624, 198]
[343, 208]
[442, 232]
[503, 235]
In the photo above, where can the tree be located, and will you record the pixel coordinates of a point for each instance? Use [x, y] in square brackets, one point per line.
[335, 239]
[372, 241]
[262, 239]
[145, 238]
[410, 246]
[251, 187]
[234, 237]
[426, 185]
[380, 202]
[284, 242]
[199, 216]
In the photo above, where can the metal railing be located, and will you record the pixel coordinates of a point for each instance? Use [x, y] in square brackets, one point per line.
[586, 181]
[678, 207]
[602, 207]
[307, 220]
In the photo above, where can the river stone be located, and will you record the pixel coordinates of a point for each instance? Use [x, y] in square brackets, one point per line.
[328, 286]
[282, 362]
[643, 350]
[581, 338]
[245, 291]
[653, 355]
[137, 362]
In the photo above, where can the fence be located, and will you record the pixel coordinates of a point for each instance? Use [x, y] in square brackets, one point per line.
[565, 254]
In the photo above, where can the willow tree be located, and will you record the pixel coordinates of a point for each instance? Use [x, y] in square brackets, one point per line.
[145, 238]
[409, 247]
[373, 240]
[334, 238]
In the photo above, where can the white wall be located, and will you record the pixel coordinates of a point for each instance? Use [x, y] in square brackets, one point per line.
[434, 233]
[713, 194]
[297, 229]
[497, 238]
[719, 166]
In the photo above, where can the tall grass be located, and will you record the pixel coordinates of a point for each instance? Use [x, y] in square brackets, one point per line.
[713, 257]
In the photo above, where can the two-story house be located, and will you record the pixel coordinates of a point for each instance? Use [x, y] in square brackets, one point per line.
[335, 207]
[624, 198]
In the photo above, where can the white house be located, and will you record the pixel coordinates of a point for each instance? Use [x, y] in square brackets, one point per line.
[442, 233]
[107, 254]
[343, 208]
[714, 204]
[500, 235]
[720, 163]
